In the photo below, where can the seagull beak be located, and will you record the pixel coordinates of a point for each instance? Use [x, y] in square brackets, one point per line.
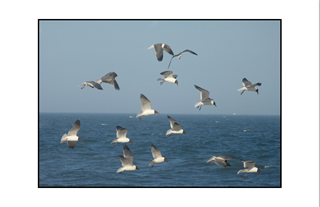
[80, 139]
[137, 168]
[131, 141]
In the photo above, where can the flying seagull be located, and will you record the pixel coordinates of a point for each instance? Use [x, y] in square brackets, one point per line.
[121, 136]
[168, 77]
[204, 96]
[221, 160]
[158, 48]
[175, 127]
[72, 137]
[110, 78]
[180, 54]
[157, 157]
[127, 160]
[145, 107]
[248, 86]
[249, 168]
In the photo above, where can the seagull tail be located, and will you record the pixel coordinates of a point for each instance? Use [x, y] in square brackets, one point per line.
[160, 79]
[152, 46]
[241, 89]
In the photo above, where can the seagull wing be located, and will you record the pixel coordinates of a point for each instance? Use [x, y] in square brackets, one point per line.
[189, 51]
[248, 163]
[159, 51]
[124, 161]
[127, 153]
[175, 126]
[246, 83]
[167, 73]
[204, 94]
[75, 128]
[168, 49]
[121, 132]
[155, 152]
[145, 103]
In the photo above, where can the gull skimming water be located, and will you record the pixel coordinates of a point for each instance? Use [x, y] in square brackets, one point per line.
[72, 137]
[221, 160]
[249, 168]
[121, 136]
[157, 157]
[175, 128]
[127, 160]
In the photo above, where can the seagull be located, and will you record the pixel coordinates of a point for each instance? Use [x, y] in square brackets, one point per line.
[110, 78]
[180, 54]
[127, 160]
[145, 107]
[72, 137]
[221, 160]
[248, 86]
[175, 127]
[92, 84]
[249, 168]
[121, 136]
[168, 77]
[205, 100]
[157, 156]
[158, 48]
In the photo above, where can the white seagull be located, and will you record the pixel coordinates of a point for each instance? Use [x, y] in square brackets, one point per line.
[175, 128]
[180, 54]
[145, 107]
[72, 137]
[248, 86]
[168, 77]
[121, 136]
[157, 157]
[249, 168]
[204, 96]
[110, 78]
[221, 160]
[127, 160]
[158, 48]
[92, 84]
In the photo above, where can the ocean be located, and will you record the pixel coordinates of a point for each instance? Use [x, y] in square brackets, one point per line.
[94, 162]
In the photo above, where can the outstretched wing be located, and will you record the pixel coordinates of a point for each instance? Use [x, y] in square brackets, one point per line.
[145, 103]
[121, 132]
[155, 152]
[204, 94]
[75, 128]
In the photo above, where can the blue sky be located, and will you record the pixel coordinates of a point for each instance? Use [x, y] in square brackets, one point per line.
[72, 52]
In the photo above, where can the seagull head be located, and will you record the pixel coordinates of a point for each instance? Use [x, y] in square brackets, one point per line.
[131, 141]
[165, 159]
[176, 82]
[156, 112]
[137, 168]
[257, 91]
[184, 132]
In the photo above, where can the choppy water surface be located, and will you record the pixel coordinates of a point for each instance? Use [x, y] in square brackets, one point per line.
[94, 162]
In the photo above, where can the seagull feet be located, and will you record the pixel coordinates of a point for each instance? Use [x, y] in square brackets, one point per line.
[242, 92]
[212, 162]
[140, 117]
[161, 83]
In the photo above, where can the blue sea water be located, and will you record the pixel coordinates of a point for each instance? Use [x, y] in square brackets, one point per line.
[94, 162]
